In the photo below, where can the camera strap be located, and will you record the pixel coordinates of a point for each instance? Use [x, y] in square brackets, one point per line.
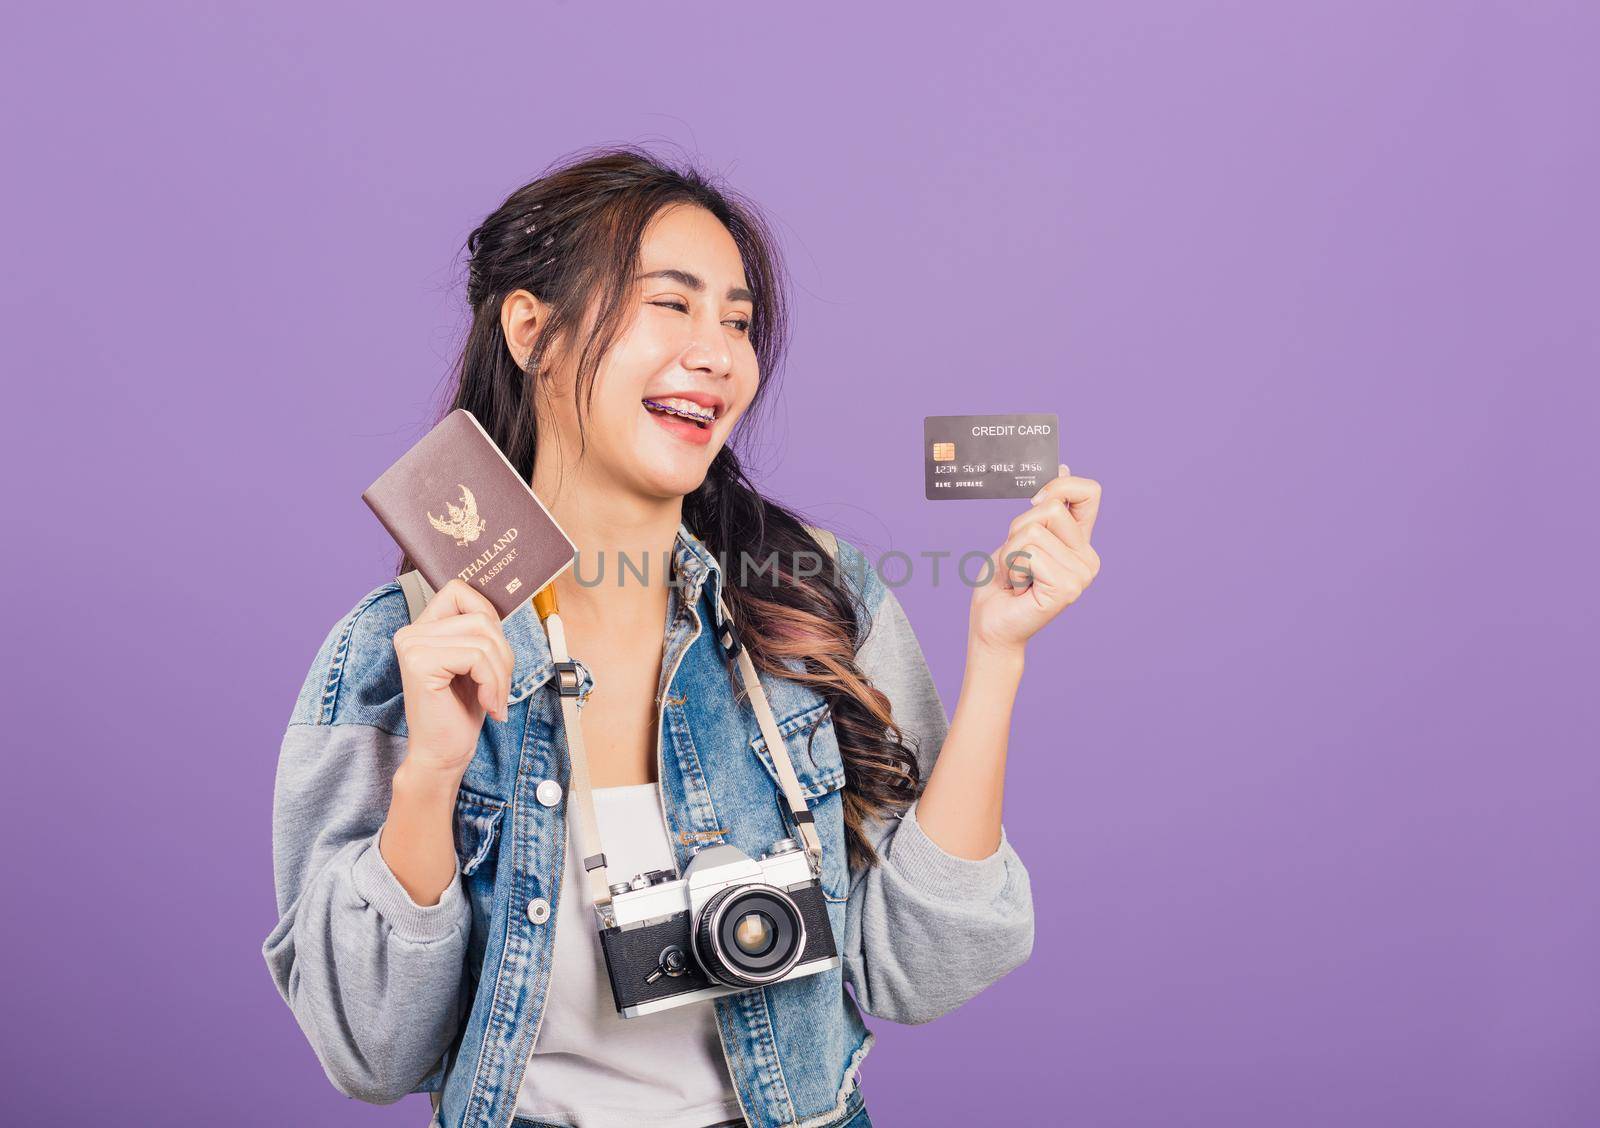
[579, 789]
[793, 794]
[580, 798]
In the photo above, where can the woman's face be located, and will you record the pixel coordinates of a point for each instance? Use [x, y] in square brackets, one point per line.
[687, 339]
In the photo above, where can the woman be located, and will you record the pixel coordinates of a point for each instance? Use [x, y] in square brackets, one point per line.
[625, 317]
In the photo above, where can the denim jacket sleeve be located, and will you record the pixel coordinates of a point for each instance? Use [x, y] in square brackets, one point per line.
[376, 981]
[925, 930]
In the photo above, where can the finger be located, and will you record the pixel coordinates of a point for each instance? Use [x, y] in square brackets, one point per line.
[1082, 496]
[1056, 515]
[1050, 488]
[446, 660]
[1066, 574]
[1016, 561]
[471, 658]
[1066, 579]
[455, 598]
[1042, 539]
[486, 626]
[482, 624]
[1043, 548]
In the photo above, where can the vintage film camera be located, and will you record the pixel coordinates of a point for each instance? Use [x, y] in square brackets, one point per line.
[729, 924]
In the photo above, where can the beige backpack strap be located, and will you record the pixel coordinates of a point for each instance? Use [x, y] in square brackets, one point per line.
[417, 593]
[826, 539]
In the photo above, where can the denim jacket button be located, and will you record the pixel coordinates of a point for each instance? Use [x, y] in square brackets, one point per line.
[548, 792]
[538, 910]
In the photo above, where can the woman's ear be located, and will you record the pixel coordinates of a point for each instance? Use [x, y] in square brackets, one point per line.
[522, 319]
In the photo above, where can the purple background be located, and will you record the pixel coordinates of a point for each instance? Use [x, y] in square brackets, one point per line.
[1307, 784]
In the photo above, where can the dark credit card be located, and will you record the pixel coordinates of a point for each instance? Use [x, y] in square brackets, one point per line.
[970, 456]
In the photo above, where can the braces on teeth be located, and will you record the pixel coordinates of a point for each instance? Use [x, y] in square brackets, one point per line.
[708, 417]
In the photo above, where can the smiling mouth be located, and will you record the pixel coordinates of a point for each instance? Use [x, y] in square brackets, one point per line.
[701, 417]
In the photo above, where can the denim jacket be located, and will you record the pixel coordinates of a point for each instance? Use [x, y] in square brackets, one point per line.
[396, 997]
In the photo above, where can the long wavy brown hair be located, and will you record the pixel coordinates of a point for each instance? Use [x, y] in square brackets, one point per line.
[571, 237]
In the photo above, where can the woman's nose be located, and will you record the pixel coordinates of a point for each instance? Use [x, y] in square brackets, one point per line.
[708, 350]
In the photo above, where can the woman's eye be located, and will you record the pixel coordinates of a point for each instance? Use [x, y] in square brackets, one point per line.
[742, 324]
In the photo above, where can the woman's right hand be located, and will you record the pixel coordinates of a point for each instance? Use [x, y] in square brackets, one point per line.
[455, 667]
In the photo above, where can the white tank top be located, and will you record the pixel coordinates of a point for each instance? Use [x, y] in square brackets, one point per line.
[590, 1067]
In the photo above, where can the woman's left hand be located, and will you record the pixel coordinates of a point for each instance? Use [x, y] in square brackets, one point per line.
[1045, 564]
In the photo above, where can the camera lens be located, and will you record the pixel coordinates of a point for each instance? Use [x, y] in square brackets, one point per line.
[755, 932]
[748, 935]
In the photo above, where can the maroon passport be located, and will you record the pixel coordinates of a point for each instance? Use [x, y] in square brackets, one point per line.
[458, 507]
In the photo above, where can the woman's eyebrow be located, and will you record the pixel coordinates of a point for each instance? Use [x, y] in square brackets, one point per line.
[694, 282]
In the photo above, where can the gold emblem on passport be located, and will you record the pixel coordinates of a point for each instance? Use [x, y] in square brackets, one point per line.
[944, 452]
[464, 523]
